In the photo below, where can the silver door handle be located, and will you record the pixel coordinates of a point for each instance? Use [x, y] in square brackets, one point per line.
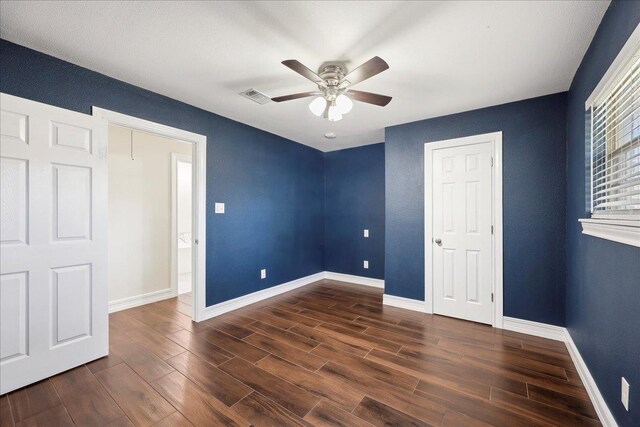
[438, 242]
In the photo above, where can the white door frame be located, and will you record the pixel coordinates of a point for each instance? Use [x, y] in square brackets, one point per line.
[175, 159]
[199, 193]
[496, 141]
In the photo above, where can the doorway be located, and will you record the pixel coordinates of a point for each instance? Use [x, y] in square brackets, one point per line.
[181, 224]
[463, 228]
[192, 303]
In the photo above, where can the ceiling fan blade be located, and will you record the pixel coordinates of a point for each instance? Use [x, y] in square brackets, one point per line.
[369, 98]
[295, 96]
[305, 72]
[374, 66]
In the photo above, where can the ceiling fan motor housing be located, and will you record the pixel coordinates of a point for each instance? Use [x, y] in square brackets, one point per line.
[332, 75]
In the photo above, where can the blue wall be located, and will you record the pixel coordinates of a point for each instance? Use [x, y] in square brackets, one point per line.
[534, 133]
[603, 277]
[354, 200]
[273, 188]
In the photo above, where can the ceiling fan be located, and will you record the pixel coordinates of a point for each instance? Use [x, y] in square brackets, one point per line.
[334, 94]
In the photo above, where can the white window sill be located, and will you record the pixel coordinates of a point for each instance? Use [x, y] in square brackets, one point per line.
[625, 231]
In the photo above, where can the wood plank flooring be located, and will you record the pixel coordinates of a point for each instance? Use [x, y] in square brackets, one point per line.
[328, 354]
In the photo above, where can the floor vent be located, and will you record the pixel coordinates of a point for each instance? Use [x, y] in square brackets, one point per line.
[256, 96]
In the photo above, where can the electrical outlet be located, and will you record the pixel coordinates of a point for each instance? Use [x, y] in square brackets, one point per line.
[263, 273]
[366, 233]
[366, 264]
[219, 208]
[625, 394]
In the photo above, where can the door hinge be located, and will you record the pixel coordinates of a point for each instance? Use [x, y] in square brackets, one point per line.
[492, 229]
[492, 162]
[197, 241]
[491, 296]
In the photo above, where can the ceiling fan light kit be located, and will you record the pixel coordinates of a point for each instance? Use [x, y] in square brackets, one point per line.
[318, 106]
[333, 114]
[334, 96]
[334, 109]
[344, 104]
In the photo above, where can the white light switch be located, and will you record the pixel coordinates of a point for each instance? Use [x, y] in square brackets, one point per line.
[625, 394]
[366, 264]
[263, 273]
[219, 208]
[366, 233]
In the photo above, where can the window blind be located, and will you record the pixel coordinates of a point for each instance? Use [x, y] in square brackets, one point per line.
[615, 146]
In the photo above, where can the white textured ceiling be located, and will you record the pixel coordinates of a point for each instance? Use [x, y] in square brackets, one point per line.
[444, 57]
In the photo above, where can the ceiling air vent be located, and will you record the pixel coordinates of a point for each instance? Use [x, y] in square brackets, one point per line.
[256, 96]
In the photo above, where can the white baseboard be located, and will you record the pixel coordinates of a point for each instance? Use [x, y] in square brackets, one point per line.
[543, 330]
[605, 415]
[236, 303]
[135, 301]
[562, 334]
[359, 280]
[407, 303]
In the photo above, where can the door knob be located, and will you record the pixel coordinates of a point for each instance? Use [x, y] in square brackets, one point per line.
[438, 242]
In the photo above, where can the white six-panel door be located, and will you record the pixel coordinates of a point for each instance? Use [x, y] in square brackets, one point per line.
[461, 225]
[53, 241]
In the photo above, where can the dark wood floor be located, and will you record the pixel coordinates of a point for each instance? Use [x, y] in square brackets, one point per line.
[327, 354]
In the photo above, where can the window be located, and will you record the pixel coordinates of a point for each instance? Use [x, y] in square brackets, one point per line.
[615, 148]
[613, 138]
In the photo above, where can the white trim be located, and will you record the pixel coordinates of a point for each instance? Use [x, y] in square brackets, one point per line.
[560, 333]
[199, 193]
[498, 233]
[628, 218]
[621, 231]
[175, 159]
[610, 77]
[359, 280]
[236, 303]
[406, 303]
[600, 405]
[135, 301]
[496, 140]
[543, 330]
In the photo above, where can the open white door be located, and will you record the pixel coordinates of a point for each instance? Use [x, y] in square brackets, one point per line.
[53, 241]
